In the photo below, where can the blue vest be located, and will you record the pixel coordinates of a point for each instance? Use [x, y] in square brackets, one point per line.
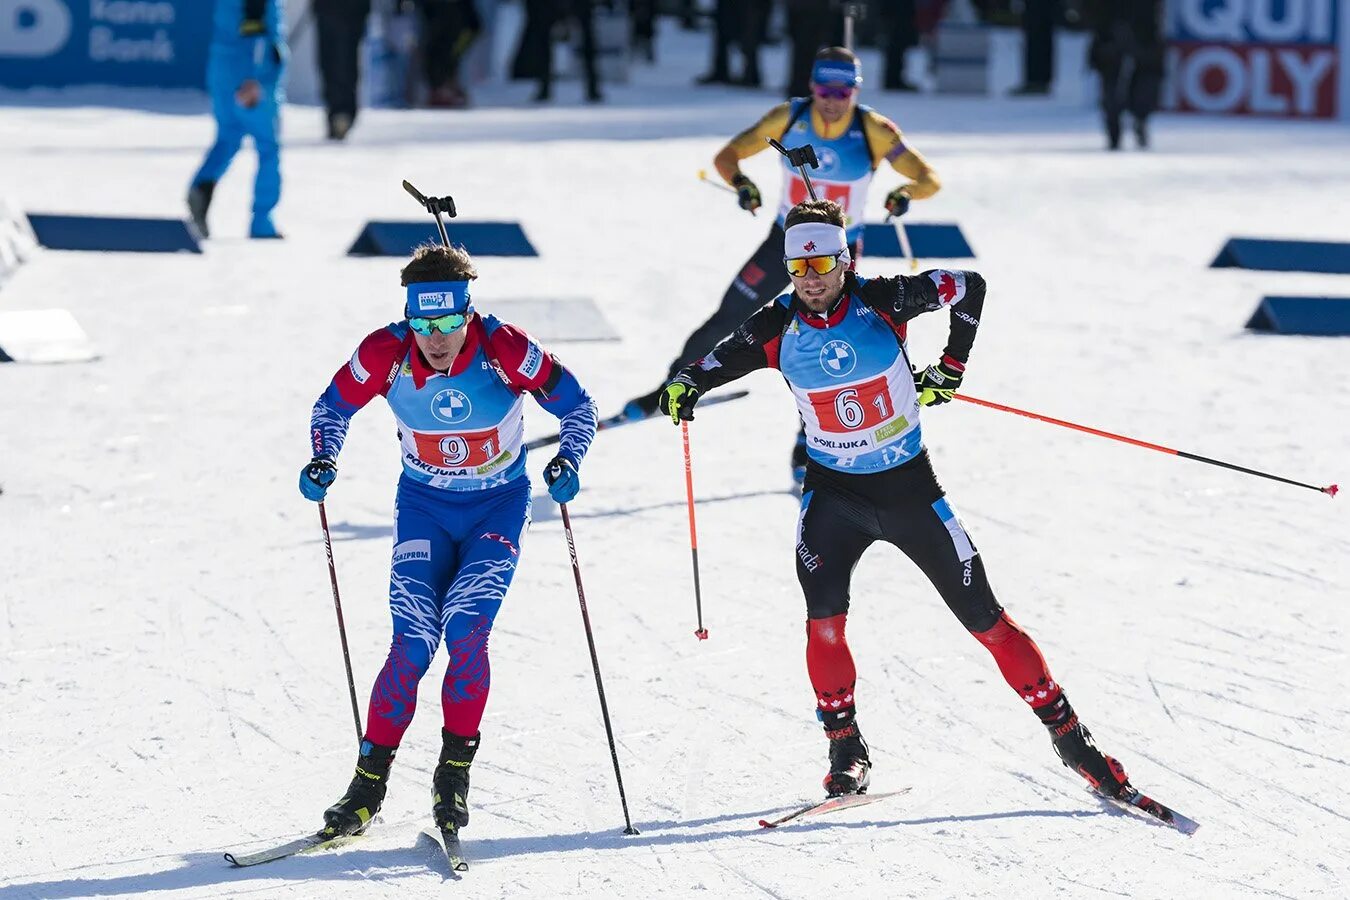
[845, 170]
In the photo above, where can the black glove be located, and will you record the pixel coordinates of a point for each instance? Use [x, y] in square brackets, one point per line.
[938, 383]
[677, 400]
[897, 202]
[747, 195]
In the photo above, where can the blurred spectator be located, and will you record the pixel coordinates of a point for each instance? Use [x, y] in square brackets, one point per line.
[739, 22]
[449, 28]
[812, 24]
[1038, 52]
[534, 56]
[901, 33]
[643, 34]
[341, 25]
[1127, 52]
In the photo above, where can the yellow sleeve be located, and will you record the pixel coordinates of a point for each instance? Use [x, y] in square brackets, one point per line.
[888, 145]
[752, 140]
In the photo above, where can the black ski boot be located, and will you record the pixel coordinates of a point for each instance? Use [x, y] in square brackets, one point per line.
[199, 201]
[352, 814]
[450, 783]
[1074, 744]
[850, 766]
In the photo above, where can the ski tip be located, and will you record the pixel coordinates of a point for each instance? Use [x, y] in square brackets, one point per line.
[229, 858]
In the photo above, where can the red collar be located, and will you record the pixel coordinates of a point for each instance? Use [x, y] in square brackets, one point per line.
[422, 370]
[834, 318]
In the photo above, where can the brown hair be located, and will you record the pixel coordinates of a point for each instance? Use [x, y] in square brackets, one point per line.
[837, 54]
[826, 211]
[432, 262]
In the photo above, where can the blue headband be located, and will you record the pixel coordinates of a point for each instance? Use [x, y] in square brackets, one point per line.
[437, 298]
[832, 71]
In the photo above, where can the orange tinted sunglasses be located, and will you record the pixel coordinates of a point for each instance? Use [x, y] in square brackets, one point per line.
[821, 265]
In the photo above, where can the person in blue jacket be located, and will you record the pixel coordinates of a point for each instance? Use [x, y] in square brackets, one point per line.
[244, 75]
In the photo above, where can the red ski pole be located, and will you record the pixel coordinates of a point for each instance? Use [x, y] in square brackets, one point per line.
[1330, 490]
[701, 633]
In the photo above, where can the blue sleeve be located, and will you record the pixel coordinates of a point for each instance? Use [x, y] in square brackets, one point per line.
[575, 409]
[328, 423]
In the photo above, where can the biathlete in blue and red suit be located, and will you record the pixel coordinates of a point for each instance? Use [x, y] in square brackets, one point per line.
[839, 342]
[456, 382]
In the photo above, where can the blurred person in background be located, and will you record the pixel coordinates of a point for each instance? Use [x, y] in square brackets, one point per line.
[1127, 52]
[739, 22]
[341, 26]
[901, 18]
[811, 24]
[245, 70]
[1038, 50]
[534, 56]
[449, 28]
[851, 141]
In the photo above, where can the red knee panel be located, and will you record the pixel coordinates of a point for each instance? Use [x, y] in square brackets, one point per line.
[829, 662]
[1020, 661]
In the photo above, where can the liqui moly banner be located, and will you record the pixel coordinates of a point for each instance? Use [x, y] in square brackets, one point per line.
[1287, 58]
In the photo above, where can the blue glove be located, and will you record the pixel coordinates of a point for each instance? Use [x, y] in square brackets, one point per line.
[562, 479]
[316, 477]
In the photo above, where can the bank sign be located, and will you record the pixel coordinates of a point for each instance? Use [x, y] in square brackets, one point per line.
[144, 43]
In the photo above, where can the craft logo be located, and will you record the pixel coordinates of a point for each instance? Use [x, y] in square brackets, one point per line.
[451, 406]
[1253, 57]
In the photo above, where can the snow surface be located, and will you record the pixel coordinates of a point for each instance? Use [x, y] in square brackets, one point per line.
[170, 678]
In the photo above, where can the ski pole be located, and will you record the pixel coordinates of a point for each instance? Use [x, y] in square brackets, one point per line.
[801, 157]
[435, 206]
[904, 243]
[1330, 490]
[342, 628]
[595, 664]
[703, 177]
[701, 633]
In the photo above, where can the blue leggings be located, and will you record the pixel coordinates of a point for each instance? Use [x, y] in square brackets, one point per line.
[455, 554]
[233, 124]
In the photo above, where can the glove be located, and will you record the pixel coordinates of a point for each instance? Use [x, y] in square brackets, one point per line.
[747, 195]
[562, 479]
[897, 201]
[677, 401]
[938, 383]
[316, 477]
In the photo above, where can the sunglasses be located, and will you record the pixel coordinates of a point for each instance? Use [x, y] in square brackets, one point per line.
[444, 324]
[833, 92]
[821, 265]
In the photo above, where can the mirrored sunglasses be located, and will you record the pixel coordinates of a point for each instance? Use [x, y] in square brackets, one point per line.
[833, 91]
[444, 324]
[821, 265]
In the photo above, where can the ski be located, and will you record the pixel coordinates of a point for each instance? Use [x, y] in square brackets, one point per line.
[454, 853]
[307, 844]
[1134, 800]
[829, 804]
[618, 419]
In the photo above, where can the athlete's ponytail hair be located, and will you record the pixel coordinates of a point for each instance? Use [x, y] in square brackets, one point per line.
[826, 211]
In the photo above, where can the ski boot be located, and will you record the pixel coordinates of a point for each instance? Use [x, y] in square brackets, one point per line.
[1075, 747]
[450, 783]
[643, 407]
[199, 202]
[352, 814]
[850, 766]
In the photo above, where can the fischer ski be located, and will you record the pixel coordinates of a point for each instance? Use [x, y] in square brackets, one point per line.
[829, 804]
[307, 844]
[1134, 800]
[454, 853]
[618, 419]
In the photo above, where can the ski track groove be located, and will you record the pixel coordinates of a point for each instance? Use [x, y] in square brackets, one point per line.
[1270, 740]
[739, 873]
[1215, 792]
[1153, 684]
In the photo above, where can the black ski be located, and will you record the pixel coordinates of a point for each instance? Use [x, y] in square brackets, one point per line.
[307, 844]
[1134, 800]
[829, 804]
[454, 853]
[620, 418]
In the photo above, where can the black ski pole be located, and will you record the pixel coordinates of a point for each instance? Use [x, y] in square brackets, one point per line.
[342, 628]
[435, 206]
[595, 664]
[801, 157]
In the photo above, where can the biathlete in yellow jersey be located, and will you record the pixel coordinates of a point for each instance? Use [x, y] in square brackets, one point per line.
[851, 142]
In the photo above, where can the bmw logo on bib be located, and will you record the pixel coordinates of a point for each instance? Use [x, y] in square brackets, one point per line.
[451, 406]
[837, 358]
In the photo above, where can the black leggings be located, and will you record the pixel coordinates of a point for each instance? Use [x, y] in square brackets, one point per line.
[842, 515]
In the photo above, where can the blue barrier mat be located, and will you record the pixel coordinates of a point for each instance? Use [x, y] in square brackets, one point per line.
[926, 240]
[1284, 256]
[113, 234]
[1302, 315]
[479, 238]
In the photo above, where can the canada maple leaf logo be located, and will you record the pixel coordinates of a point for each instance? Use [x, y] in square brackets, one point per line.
[946, 287]
[809, 246]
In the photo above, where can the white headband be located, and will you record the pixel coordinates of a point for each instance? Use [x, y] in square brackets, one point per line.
[815, 239]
